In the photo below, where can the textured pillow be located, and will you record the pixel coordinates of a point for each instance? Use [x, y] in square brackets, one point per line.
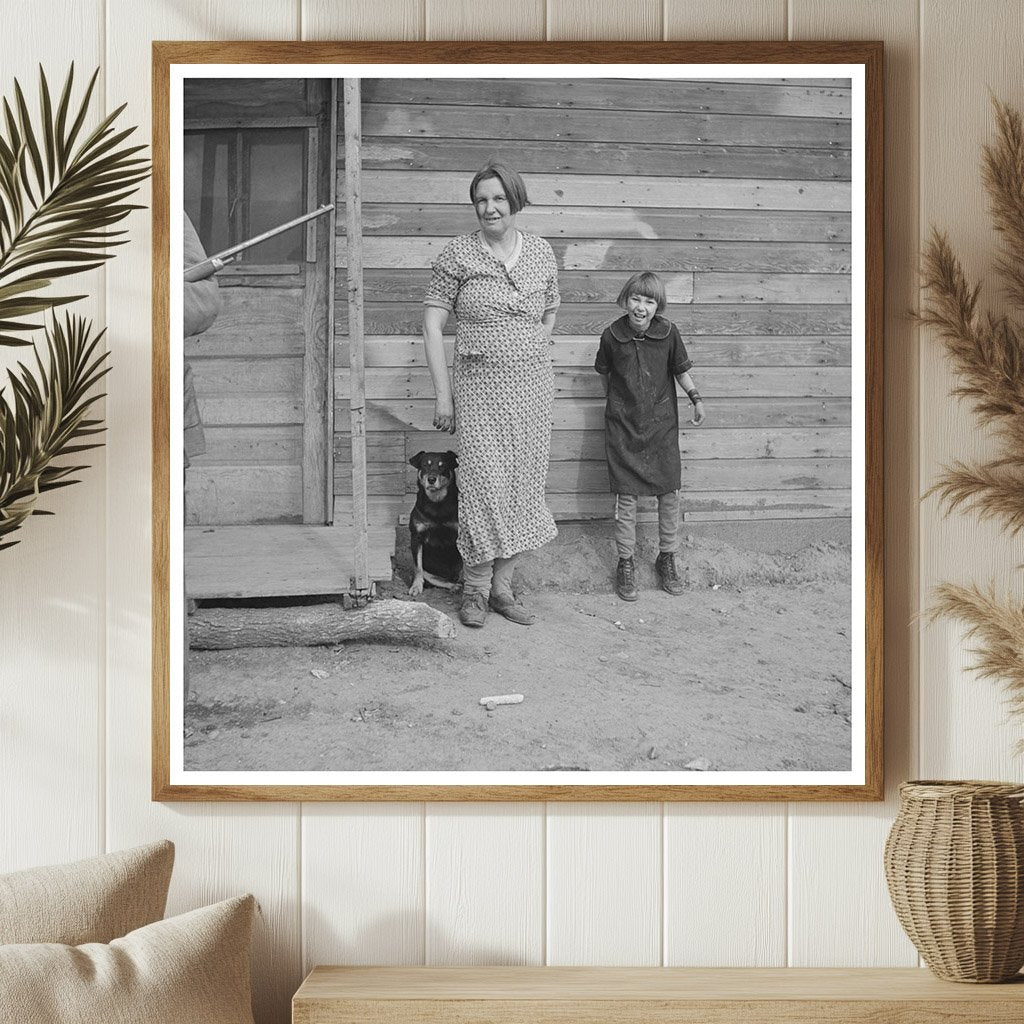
[190, 969]
[93, 900]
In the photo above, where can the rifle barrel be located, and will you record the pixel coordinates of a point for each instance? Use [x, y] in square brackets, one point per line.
[225, 255]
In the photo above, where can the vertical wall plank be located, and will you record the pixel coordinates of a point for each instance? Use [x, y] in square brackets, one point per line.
[839, 909]
[484, 19]
[363, 893]
[221, 848]
[604, 19]
[726, 19]
[383, 19]
[965, 732]
[725, 885]
[485, 883]
[836, 851]
[51, 582]
[604, 884]
[725, 866]
[362, 884]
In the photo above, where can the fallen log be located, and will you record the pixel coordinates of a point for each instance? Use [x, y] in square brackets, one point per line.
[219, 629]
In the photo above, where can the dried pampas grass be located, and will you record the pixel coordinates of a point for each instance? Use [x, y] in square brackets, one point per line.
[987, 353]
[998, 632]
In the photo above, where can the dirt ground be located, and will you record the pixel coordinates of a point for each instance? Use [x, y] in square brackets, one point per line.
[748, 670]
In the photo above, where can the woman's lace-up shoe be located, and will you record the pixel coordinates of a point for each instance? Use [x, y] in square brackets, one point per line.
[474, 609]
[512, 609]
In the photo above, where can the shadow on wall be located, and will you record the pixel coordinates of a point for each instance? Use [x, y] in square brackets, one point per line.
[399, 939]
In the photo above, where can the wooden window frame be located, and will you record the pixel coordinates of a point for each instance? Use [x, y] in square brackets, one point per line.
[242, 269]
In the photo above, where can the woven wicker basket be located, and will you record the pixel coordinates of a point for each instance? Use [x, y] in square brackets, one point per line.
[954, 861]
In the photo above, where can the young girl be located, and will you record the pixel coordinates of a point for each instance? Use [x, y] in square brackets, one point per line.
[640, 358]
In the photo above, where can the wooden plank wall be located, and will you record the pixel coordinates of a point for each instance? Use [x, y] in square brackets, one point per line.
[737, 193]
[249, 366]
[248, 376]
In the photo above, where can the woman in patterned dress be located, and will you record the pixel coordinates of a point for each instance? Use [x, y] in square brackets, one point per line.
[502, 286]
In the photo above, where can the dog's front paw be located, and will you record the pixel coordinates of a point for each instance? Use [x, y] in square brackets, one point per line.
[416, 587]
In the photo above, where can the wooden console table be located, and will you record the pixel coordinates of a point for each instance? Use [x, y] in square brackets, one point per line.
[647, 995]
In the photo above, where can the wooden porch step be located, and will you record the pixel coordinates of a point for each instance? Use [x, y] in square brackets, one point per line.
[279, 561]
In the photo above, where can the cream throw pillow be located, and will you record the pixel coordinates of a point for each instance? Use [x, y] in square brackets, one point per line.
[190, 969]
[92, 900]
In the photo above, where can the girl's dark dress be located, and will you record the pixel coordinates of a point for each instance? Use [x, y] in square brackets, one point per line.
[642, 414]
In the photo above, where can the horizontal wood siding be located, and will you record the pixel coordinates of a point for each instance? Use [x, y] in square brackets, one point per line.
[243, 100]
[625, 255]
[694, 160]
[737, 194]
[830, 101]
[261, 373]
[248, 376]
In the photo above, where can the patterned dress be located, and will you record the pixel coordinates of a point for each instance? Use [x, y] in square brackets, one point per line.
[504, 388]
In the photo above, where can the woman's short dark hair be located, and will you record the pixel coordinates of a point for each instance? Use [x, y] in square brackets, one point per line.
[511, 181]
[646, 283]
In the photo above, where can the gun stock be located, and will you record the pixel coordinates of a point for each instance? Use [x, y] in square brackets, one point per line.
[201, 271]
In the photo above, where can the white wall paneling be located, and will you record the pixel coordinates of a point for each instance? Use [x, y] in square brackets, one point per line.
[222, 849]
[835, 853]
[511, 883]
[604, 19]
[964, 728]
[604, 882]
[52, 583]
[726, 19]
[383, 19]
[733, 849]
[363, 892]
[485, 19]
[709, 850]
[485, 883]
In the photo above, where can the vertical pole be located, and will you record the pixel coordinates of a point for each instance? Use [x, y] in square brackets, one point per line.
[357, 371]
[331, 228]
[317, 387]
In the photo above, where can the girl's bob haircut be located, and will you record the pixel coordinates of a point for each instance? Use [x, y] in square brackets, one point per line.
[511, 182]
[647, 283]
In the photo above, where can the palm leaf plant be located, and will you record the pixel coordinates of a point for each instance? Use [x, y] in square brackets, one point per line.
[63, 189]
[987, 355]
[47, 419]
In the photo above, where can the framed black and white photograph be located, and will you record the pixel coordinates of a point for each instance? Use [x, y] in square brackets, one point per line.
[517, 421]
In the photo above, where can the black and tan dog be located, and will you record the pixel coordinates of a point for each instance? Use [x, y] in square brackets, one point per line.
[434, 522]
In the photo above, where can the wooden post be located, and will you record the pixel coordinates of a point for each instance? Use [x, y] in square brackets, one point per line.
[317, 298]
[357, 371]
[332, 273]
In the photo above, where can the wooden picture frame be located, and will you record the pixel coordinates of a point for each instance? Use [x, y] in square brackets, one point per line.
[854, 259]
